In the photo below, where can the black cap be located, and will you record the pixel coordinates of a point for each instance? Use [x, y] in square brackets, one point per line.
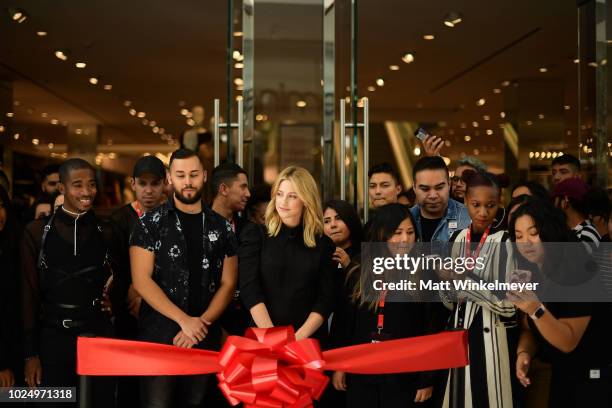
[149, 165]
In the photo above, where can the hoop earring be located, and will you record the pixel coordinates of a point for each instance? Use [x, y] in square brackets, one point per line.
[502, 218]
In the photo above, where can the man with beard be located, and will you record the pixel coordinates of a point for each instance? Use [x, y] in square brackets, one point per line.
[184, 265]
[65, 270]
[436, 216]
[457, 184]
[231, 189]
[148, 185]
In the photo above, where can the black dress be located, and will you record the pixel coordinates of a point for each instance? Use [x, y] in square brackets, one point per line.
[291, 279]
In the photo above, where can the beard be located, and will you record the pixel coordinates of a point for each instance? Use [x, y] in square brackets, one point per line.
[197, 196]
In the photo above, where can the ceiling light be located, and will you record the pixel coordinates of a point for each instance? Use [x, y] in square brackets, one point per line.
[155, 129]
[80, 65]
[127, 104]
[502, 115]
[238, 97]
[429, 37]
[238, 82]
[301, 104]
[152, 123]
[489, 132]
[531, 154]
[408, 57]
[133, 112]
[61, 54]
[239, 65]
[536, 155]
[394, 67]
[238, 33]
[529, 123]
[481, 102]
[577, 61]
[496, 90]
[10, 114]
[486, 117]
[1, 128]
[467, 138]
[112, 156]
[476, 152]
[592, 64]
[548, 155]
[452, 19]
[41, 33]
[380, 82]
[475, 124]
[145, 122]
[17, 15]
[554, 155]
[505, 83]
[259, 117]
[35, 142]
[543, 70]
[108, 87]
[417, 151]
[54, 121]
[141, 115]
[541, 116]
[51, 145]
[371, 88]
[184, 112]
[190, 122]
[44, 114]
[16, 136]
[93, 80]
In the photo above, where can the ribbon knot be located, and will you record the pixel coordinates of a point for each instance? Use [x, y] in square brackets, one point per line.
[269, 368]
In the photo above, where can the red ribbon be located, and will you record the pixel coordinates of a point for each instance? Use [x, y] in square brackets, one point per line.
[267, 367]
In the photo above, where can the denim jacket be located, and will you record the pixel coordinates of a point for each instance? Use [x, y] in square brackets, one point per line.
[456, 218]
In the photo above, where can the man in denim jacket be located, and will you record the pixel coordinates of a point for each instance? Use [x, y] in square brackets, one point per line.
[436, 216]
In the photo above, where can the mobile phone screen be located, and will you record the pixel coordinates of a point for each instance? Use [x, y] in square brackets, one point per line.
[421, 134]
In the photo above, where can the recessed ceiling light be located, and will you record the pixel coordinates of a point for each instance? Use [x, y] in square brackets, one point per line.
[108, 87]
[1, 129]
[41, 33]
[239, 65]
[133, 112]
[505, 83]
[238, 33]
[476, 152]
[496, 90]
[543, 70]
[80, 65]
[141, 114]
[593, 64]
[127, 104]
[35, 142]
[190, 122]
[93, 80]
[567, 107]
[184, 112]
[489, 132]
[16, 136]
[152, 123]
[54, 121]
[467, 138]
[10, 114]
[371, 88]
[301, 104]
[452, 19]
[502, 115]
[429, 37]
[238, 82]
[145, 122]
[481, 102]
[417, 151]
[475, 124]
[394, 67]
[529, 123]
[17, 15]
[408, 57]
[380, 82]
[486, 117]
[44, 114]
[155, 129]
[541, 116]
[51, 145]
[61, 54]
[576, 60]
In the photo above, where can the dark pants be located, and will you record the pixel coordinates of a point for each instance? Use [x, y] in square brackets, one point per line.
[58, 363]
[362, 392]
[185, 391]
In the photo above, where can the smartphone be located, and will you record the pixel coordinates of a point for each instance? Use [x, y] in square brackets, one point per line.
[421, 134]
[520, 276]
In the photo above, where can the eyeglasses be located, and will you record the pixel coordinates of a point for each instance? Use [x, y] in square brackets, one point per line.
[455, 179]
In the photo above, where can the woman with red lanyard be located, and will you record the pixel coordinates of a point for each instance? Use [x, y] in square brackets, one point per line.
[367, 318]
[488, 317]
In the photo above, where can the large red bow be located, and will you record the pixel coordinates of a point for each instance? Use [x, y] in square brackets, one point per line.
[268, 368]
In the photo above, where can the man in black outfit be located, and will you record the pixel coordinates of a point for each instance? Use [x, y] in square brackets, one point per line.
[65, 269]
[148, 184]
[184, 264]
[231, 188]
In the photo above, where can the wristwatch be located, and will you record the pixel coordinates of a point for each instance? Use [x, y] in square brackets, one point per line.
[539, 312]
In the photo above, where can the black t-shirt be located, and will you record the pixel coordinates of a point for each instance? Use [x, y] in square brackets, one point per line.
[193, 231]
[428, 227]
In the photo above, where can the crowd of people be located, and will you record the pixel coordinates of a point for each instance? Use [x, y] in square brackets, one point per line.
[169, 268]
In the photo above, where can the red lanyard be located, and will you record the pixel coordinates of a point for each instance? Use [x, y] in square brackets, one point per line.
[136, 207]
[468, 239]
[381, 312]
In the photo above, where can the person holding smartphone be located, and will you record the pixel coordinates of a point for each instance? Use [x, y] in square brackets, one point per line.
[487, 316]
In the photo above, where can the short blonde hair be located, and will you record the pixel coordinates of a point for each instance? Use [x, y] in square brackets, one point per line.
[307, 191]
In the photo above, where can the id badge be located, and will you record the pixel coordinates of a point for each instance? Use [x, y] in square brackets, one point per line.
[452, 225]
[378, 337]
